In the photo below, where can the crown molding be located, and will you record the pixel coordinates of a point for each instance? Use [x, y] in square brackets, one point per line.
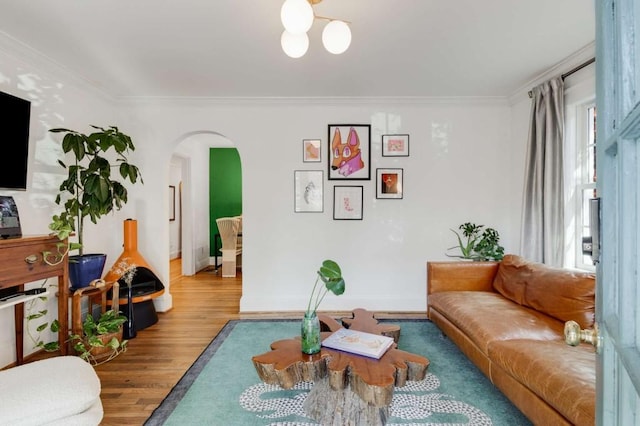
[31, 57]
[398, 101]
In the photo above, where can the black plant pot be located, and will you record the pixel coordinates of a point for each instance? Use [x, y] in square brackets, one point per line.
[84, 269]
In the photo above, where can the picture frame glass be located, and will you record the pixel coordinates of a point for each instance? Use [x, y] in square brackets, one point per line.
[389, 183]
[349, 152]
[395, 145]
[347, 202]
[311, 150]
[309, 191]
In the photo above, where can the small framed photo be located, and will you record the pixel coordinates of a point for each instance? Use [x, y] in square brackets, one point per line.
[395, 145]
[309, 191]
[349, 152]
[311, 150]
[347, 202]
[172, 203]
[389, 183]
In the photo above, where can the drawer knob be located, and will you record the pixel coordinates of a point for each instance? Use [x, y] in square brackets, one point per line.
[31, 259]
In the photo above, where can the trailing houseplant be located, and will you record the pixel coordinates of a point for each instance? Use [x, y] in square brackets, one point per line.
[331, 276]
[101, 339]
[477, 243]
[89, 189]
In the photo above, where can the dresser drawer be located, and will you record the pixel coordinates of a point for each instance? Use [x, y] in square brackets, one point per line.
[26, 261]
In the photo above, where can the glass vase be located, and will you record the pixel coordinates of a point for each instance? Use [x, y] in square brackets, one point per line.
[310, 333]
[129, 329]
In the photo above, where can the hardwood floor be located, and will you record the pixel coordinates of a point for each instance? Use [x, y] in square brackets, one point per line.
[135, 383]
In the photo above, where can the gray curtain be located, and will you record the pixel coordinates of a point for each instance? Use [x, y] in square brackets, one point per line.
[542, 238]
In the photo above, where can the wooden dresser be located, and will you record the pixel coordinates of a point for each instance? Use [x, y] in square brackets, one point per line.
[21, 261]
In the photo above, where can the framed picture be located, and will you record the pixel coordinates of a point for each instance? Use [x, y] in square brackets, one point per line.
[172, 203]
[395, 145]
[347, 202]
[311, 150]
[309, 191]
[389, 183]
[349, 149]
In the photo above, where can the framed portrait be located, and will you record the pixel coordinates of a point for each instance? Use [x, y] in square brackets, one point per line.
[349, 152]
[309, 191]
[311, 150]
[172, 203]
[347, 202]
[395, 145]
[389, 183]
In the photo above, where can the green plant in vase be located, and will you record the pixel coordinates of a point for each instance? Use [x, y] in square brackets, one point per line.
[90, 190]
[331, 276]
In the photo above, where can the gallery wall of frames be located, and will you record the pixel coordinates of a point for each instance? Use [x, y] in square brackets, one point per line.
[348, 168]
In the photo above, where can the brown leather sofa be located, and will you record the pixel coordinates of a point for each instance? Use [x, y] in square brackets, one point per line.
[508, 318]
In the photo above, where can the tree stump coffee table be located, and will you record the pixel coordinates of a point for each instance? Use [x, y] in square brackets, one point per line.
[348, 389]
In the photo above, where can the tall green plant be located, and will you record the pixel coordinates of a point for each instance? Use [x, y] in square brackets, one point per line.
[89, 189]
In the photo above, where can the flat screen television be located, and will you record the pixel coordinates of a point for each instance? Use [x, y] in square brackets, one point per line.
[15, 114]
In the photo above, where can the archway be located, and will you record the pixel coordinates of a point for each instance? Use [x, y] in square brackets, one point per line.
[189, 164]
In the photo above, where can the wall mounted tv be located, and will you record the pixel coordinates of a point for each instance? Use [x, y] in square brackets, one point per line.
[15, 115]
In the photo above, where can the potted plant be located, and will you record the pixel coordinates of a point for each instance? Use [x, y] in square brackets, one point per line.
[101, 340]
[95, 341]
[90, 191]
[331, 275]
[477, 243]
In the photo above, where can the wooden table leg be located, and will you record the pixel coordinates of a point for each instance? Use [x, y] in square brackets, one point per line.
[330, 406]
[18, 311]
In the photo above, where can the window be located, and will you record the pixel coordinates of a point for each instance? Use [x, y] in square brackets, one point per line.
[585, 177]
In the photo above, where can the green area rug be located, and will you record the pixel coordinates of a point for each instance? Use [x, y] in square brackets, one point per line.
[222, 387]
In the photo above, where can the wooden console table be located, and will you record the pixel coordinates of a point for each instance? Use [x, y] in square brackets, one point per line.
[21, 262]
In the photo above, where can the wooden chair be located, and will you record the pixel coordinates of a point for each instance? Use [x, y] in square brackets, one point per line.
[228, 228]
[97, 295]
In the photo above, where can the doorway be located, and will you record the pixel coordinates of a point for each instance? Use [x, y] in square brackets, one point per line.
[191, 231]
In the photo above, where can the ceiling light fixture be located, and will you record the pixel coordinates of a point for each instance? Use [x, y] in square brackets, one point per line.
[297, 16]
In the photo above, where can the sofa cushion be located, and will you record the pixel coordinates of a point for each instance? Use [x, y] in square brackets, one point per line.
[564, 376]
[487, 316]
[561, 293]
[53, 390]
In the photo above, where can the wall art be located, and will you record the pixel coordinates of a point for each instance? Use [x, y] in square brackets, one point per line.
[395, 145]
[311, 150]
[309, 191]
[349, 150]
[172, 203]
[389, 183]
[347, 202]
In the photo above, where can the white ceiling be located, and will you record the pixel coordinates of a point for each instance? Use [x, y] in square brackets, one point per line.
[231, 48]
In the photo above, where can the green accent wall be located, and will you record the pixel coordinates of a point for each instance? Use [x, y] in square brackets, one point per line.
[225, 188]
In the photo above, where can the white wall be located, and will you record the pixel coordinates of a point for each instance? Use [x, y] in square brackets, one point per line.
[460, 155]
[465, 164]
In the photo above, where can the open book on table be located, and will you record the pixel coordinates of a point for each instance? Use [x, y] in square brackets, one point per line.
[358, 342]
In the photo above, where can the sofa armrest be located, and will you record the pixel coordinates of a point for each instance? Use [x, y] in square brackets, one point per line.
[460, 276]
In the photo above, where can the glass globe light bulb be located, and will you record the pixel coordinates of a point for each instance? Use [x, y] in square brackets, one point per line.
[296, 16]
[336, 37]
[294, 45]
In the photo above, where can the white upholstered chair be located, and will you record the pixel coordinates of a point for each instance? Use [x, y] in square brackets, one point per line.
[228, 229]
